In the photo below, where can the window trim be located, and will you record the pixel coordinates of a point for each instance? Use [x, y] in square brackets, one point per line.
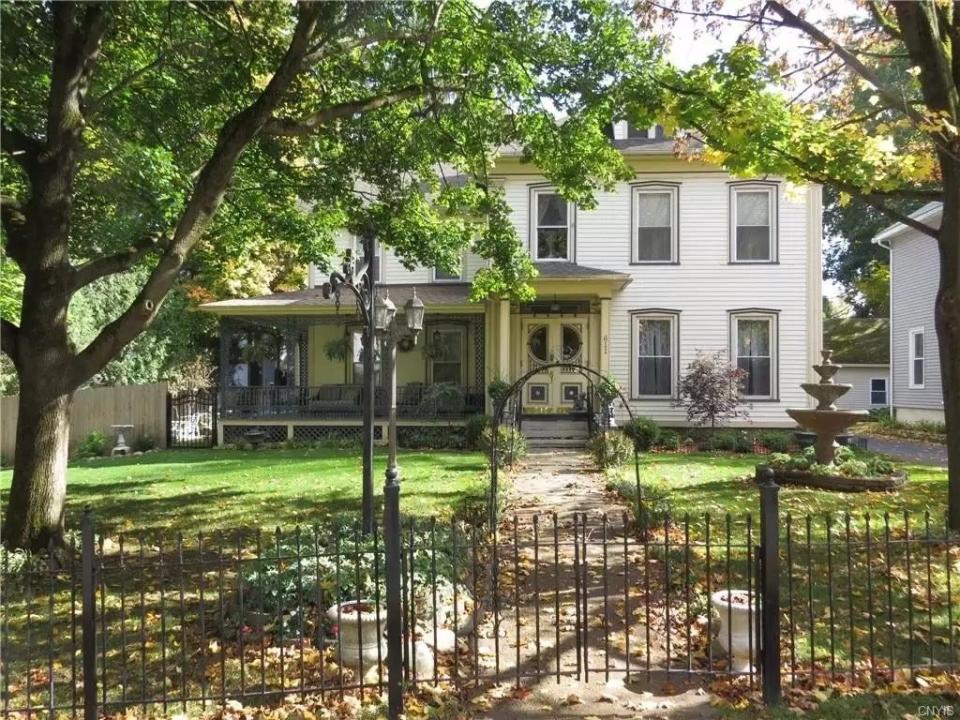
[773, 319]
[886, 390]
[462, 332]
[459, 279]
[535, 192]
[773, 196]
[636, 189]
[636, 317]
[911, 353]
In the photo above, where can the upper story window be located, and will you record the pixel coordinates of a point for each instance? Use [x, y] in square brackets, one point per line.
[655, 222]
[753, 223]
[552, 232]
[655, 351]
[446, 275]
[754, 345]
[917, 358]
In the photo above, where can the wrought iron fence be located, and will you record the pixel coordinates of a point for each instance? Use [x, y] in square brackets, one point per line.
[192, 419]
[180, 623]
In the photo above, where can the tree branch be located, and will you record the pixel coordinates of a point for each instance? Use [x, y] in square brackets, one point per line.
[289, 127]
[111, 264]
[321, 51]
[203, 203]
[9, 339]
[23, 148]
[15, 226]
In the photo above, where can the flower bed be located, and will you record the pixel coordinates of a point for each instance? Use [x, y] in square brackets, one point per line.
[847, 473]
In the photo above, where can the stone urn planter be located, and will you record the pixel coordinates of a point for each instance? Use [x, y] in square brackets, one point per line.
[359, 644]
[736, 611]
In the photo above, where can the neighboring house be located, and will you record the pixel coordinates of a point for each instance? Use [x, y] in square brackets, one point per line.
[862, 347]
[917, 393]
[684, 258]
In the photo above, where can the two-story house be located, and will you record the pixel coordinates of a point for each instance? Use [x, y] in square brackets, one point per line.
[916, 391]
[681, 259]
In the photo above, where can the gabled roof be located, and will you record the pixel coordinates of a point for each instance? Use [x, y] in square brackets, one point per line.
[858, 341]
[929, 214]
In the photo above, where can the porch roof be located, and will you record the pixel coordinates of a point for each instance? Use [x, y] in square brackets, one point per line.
[435, 296]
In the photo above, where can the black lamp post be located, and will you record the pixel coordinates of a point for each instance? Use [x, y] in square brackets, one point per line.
[361, 279]
[390, 331]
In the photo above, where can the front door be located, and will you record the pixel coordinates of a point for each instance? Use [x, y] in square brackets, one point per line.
[551, 340]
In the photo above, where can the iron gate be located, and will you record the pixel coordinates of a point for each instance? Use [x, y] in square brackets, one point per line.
[192, 419]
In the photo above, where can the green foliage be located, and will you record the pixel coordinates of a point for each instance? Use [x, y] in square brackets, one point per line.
[438, 438]
[498, 389]
[776, 441]
[738, 441]
[511, 444]
[651, 508]
[846, 462]
[94, 445]
[610, 449]
[338, 561]
[473, 430]
[668, 439]
[643, 431]
[608, 390]
[442, 399]
[144, 443]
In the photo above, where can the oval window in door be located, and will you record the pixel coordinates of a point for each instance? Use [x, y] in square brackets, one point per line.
[537, 344]
[572, 350]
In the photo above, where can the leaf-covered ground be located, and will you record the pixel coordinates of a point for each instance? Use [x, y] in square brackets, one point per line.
[188, 490]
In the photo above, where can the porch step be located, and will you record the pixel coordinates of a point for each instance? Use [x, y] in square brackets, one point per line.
[555, 432]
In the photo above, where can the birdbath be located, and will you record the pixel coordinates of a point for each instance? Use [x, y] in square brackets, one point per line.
[120, 447]
[825, 420]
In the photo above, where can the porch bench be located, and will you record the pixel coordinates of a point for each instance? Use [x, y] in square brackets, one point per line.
[335, 399]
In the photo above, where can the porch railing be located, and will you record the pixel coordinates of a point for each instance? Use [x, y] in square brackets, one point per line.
[414, 400]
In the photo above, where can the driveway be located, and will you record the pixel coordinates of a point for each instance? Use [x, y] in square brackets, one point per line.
[909, 450]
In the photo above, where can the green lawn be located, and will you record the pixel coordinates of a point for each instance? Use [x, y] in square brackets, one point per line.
[721, 483]
[189, 490]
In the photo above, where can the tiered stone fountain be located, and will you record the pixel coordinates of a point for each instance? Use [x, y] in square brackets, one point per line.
[825, 420]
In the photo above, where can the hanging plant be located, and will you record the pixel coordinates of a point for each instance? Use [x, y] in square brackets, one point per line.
[337, 350]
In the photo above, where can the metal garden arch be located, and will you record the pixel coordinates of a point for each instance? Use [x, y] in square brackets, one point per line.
[500, 406]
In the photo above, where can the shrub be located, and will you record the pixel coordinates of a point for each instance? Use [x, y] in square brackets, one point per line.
[143, 443]
[94, 445]
[610, 449]
[643, 431]
[497, 389]
[442, 399]
[709, 390]
[511, 444]
[853, 468]
[436, 438]
[775, 441]
[669, 439]
[728, 440]
[472, 430]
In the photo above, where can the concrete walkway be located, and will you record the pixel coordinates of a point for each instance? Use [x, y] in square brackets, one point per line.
[566, 482]
[909, 450]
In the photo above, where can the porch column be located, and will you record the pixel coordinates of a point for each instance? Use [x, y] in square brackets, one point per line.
[503, 341]
[604, 335]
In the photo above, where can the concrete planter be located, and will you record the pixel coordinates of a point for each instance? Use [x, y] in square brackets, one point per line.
[359, 644]
[736, 611]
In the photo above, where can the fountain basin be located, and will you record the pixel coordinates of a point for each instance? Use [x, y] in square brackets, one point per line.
[827, 424]
[841, 483]
[825, 395]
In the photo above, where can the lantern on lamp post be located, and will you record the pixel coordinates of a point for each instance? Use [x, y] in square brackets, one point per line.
[390, 331]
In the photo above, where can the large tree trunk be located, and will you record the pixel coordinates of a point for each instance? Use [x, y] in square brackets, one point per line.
[948, 333]
[35, 509]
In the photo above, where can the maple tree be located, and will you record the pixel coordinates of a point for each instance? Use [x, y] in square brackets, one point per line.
[138, 135]
[832, 109]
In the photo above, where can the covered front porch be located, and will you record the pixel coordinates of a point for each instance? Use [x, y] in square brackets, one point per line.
[292, 364]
